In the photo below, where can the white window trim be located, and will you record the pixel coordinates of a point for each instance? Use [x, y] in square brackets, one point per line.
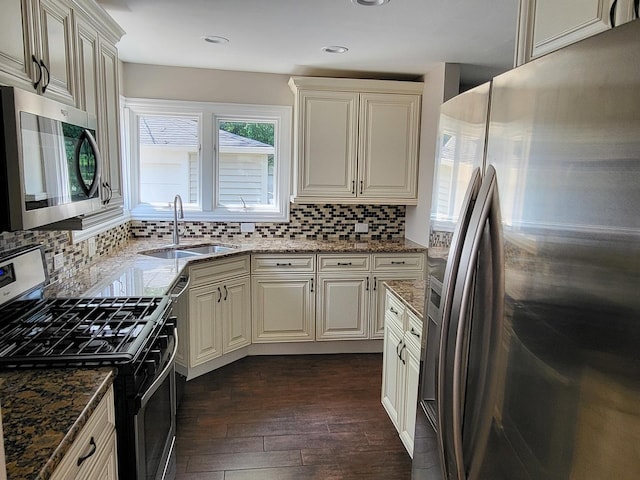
[208, 112]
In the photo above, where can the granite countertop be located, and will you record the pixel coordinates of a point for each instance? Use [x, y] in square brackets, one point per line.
[128, 273]
[411, 292]
[42, 413]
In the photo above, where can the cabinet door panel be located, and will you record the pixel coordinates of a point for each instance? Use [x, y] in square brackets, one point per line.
[56, 40]
[342, 309]
[205, 335]
[283, 309]
[87, 46]
[392, 375]
[237, 314]
[388, 145]
[15, 48]
[412, 373]
[327, 143]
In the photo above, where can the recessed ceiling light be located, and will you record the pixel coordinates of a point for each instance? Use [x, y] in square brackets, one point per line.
[370, 3]
[335, 49]
[215, 39]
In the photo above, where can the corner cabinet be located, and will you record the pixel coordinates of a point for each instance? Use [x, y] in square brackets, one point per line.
[356, 141]
[547, 25]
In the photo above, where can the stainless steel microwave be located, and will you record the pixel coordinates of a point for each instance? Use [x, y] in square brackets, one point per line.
[49, 161]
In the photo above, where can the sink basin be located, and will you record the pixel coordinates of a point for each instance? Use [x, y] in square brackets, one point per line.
[171, 254]
[187, 252]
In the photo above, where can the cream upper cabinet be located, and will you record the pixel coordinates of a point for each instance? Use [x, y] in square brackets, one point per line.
[547, 25]
[37, 47]
[356, 141]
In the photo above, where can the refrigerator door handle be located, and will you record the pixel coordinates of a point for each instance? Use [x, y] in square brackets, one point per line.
[451, 269]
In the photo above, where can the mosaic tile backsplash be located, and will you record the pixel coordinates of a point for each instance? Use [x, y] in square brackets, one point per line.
[440, 239]
[311, 222]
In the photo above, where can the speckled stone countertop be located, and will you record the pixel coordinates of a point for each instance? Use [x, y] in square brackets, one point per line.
[42, 413]
[411, 292]
[128, 273]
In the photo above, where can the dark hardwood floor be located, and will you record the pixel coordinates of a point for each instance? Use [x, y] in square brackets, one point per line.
[295, 417]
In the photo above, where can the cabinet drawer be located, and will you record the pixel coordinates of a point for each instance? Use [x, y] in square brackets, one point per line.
[283, 264]
[94, 436]
[394, 310]
[397, 262]
[414, 330]
[338, 263]
[217, 269]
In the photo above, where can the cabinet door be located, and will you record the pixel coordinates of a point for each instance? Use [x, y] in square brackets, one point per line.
[109, 123]
[87, 97]
[547, 25]
[15, 45]
[388, 146]
[236, 327]
[205, 325]
[106, 465]
[283, 309]
[412, 373]
[327, 146]
[56, 43]
[392, 374]
[342, 307]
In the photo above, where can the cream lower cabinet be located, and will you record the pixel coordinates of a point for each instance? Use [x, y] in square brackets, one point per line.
[401, 368]
[283, 292]
[217, 311]
[97, 436]
[356, 141]
[350, 301]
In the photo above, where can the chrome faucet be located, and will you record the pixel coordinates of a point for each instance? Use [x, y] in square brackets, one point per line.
[176, 216]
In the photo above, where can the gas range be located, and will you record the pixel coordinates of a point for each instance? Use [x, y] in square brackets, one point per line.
[135, 335]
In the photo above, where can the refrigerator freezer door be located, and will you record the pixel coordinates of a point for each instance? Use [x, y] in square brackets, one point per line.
[564, 140]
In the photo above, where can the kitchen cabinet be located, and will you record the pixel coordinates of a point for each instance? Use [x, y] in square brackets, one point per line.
[547, 25]
[93, 454]
[350, 301]
[217, 313]
[356, 141]
[283, 292]
[401, 367]
[36, 47]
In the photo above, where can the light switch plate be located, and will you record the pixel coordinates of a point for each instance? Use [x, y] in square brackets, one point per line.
[91, 244]
[247, 227]
[362, 227]
[58, 261]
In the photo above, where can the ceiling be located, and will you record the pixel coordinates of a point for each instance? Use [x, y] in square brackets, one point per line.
[402, 39]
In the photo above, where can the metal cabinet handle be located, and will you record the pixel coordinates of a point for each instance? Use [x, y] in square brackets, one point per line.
[226, 293]
[35, 60]
[398, 263]
[311, 285]
[612, 13]
[393, 310]
[361, 187]
[404, 347]
[353, 187]
[397, 348]
[45, 85]
[413, 332]
[219, 295]
[94, 447]
[375, 283]
[344, 264]
[367, 287]
[283, 264]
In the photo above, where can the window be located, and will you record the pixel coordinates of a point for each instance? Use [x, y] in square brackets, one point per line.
[227, 162]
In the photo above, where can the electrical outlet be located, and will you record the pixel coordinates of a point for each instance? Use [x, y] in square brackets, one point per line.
[58, 261]
[91, 244]
[247, 227]
[362, 227]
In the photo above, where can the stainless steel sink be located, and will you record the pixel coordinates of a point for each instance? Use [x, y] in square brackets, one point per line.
[187, 252]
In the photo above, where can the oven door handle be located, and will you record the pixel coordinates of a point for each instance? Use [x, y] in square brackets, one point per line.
[167, 369]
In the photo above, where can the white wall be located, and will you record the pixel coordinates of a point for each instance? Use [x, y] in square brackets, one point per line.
[202, 85]
[440, 84]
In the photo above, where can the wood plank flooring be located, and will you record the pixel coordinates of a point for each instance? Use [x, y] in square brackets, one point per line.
[296, 417]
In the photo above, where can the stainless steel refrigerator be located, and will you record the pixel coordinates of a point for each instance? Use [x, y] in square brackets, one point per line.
[532, 362]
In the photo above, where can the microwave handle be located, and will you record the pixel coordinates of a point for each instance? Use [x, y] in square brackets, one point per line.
[95, 182]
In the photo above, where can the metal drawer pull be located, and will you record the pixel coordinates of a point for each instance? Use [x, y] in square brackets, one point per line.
[398, 263]
[226, 293]
[344, 264]
[283, 264]
[413, 332]
[92, 442]
[219, 295]
[393, 310]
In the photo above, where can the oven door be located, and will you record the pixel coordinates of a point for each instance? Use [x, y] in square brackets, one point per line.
[155, 424]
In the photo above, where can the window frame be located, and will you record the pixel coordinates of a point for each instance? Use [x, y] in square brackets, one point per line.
[208, 114]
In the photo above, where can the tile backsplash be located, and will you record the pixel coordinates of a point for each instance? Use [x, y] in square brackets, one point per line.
[440, 239]
[313, 222]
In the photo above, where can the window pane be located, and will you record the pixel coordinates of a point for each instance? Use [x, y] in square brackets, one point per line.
[169, 159]
[246, 163]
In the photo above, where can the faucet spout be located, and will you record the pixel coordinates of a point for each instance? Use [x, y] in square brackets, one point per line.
[176, 215]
